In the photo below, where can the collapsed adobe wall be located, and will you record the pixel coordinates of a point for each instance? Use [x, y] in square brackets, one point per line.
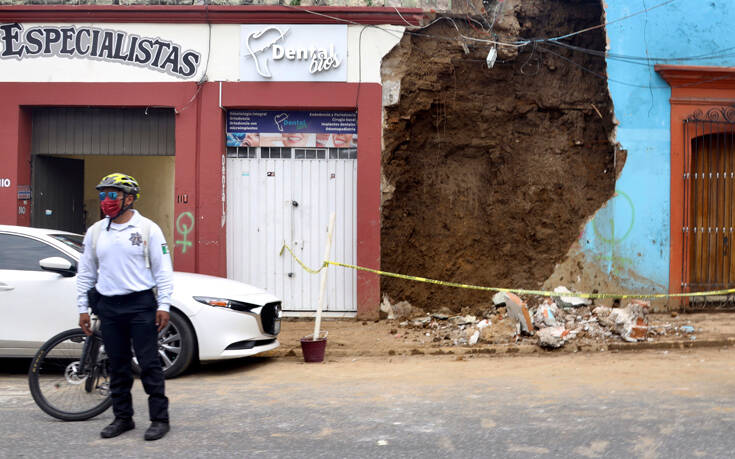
[489, 175]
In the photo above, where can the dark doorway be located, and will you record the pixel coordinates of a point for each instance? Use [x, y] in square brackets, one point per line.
[57, 193]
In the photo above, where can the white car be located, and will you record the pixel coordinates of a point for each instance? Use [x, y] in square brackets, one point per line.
[211, 317]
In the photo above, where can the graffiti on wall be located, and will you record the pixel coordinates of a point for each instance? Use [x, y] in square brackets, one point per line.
[611, 236]
[184, 226]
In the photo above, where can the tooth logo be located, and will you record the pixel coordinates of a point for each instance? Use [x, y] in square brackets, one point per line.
[257, 42]
[280, 119]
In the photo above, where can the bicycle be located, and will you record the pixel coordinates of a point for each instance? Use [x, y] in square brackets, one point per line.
[69, 375]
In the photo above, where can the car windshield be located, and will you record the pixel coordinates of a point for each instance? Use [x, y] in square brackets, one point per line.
[72, 240]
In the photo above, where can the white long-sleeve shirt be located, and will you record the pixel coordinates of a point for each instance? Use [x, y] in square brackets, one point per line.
[120, 266]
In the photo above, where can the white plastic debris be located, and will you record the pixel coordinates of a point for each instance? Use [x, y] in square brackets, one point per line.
[484, 323]
[492, 55]
[569, 301]
[475, 336]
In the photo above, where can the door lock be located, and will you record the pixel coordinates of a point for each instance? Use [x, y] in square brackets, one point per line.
[290, 274]
[294, 203]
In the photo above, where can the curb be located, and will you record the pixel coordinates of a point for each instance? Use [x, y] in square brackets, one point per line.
[510, 349]
[688, 344]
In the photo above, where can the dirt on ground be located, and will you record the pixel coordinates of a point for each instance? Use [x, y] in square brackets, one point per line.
[489, 174]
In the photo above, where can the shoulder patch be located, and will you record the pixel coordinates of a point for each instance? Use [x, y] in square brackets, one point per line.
[164, 248]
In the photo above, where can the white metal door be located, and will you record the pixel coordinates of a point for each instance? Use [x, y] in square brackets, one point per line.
[272, 201]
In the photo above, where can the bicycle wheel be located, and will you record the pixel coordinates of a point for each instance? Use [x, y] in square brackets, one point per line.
[58, 386]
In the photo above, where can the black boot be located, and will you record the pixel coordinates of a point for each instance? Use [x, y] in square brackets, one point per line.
[116, 427]
[156, 430]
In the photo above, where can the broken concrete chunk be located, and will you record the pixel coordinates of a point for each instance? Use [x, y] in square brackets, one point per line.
[400, 310]
[500, 298]
[387, 308]
[547, 315]
[421, 321]
[631, 322]
[569, 301]
[517, 310]
[553, 337]
[463, 320]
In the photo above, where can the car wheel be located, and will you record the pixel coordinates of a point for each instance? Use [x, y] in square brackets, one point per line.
[175, 346]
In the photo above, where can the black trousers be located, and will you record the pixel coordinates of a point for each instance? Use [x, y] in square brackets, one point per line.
[123, 319]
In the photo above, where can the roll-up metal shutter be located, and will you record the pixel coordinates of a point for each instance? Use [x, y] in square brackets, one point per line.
[103, 131]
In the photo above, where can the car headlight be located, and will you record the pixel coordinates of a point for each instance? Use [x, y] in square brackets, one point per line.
[227, 303]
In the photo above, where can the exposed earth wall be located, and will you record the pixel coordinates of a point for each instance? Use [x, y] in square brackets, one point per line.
[489, 174]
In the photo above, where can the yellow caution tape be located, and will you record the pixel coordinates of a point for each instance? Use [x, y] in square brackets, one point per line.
[306, 268]
[518, 291]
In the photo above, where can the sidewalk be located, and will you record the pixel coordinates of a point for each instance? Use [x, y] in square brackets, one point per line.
[353, 338]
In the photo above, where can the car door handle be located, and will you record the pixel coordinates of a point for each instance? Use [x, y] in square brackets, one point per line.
[5, 287]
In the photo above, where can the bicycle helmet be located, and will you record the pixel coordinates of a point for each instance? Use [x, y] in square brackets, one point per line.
[125, 183]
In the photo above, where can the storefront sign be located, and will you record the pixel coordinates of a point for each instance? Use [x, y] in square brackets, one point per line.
[255, 128]
[288, 52]
[99, 44]
[24, 192]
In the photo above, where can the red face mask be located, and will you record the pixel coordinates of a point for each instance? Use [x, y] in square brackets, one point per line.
[110, 207]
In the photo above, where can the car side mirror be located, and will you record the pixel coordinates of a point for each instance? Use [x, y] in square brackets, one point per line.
[58, 265]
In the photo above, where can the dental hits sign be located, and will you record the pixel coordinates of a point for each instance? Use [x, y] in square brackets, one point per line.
[289, 52]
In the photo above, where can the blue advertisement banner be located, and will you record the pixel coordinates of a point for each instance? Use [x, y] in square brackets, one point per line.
[287, 128]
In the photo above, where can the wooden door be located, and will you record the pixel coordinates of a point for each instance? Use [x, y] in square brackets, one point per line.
[712, 185]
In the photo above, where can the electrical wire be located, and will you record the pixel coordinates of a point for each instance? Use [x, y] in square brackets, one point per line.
[592, 72]
[203, 78]
[359, 67]
[646, 60]
[417, 31]
[643, 11]
[517, 43]
[478, 13]
[498, 9]
[209, 43]
[685, 85]
[718, 54]
[401, 16]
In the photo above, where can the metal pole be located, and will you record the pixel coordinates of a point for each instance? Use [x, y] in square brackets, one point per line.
[323, 285]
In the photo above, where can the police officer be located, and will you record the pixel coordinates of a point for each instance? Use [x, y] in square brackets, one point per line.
[126, 261]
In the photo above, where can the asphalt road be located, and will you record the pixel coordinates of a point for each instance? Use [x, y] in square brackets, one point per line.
[653, 404]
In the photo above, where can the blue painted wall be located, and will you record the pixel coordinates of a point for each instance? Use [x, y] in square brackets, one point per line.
[629, 237]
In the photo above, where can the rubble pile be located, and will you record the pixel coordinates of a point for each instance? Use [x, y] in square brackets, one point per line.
[551, 324]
